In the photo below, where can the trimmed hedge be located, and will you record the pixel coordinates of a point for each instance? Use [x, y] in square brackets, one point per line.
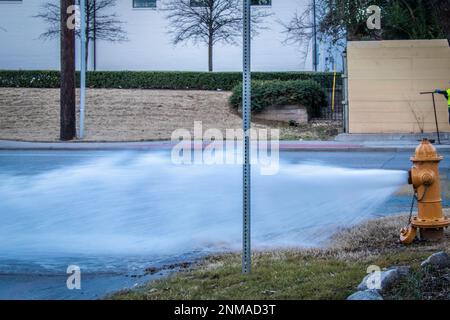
[307, 93]
[156, 79]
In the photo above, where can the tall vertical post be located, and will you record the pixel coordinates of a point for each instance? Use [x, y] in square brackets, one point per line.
[435, 119]
[435, 115]
[246, 115]
[82, 65]
[315, 55]
[345, 93]
[68, 129]
[94, 34]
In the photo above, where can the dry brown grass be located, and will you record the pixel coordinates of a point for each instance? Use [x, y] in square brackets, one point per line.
[374, 235]
[114, 115]
[132, 115]
[320, 273]
[381, 236]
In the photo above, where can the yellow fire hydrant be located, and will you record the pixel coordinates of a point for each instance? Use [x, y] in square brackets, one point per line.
[424, 177]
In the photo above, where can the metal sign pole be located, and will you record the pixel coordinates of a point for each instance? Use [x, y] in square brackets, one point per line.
[82, 65]
[246, 115]
[435, 115]
[345, 92]
[315, 56]
[436, 120]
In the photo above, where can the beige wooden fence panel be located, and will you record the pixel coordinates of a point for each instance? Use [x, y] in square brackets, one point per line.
[385, 81]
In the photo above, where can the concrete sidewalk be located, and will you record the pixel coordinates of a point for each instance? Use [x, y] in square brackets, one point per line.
[396, 141]
[391, 146]
[392, 138]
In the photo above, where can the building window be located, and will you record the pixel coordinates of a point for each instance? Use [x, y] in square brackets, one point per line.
[144, 3]
[198, 3]
[202, 3]
[261, 2]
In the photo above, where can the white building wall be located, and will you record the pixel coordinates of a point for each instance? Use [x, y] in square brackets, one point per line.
[149, 46]
[20, 46]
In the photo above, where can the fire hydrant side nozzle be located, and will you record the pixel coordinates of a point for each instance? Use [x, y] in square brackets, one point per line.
[424, 177]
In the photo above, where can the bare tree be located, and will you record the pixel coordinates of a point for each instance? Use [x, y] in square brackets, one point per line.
[209, 22]
[300, 29]
[339, 20]
[101, 24]
[304, 32]
[419, 116]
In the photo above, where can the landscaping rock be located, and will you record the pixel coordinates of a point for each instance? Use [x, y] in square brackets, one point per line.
[402, 270]
[387, 278]
[288, 114]
[438, 260]
[366, 295]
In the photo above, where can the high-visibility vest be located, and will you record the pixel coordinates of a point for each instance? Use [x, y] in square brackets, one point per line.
[448, 97]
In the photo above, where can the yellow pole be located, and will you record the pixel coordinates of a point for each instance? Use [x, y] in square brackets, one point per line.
[334, 88]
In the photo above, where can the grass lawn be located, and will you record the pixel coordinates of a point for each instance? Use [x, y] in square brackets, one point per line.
[332, 272]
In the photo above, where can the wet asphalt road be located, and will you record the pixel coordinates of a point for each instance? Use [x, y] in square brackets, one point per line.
[29, 286]
[32, 162]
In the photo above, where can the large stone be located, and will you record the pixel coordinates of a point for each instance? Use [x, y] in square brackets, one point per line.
[402, 270]
[289, 113]
[438, 260]
[383, 280]
[366, 295]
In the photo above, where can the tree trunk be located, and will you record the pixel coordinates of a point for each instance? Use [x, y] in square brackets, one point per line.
[210, 55]
[68, 129]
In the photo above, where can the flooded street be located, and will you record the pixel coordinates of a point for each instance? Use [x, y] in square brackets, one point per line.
[118, 214]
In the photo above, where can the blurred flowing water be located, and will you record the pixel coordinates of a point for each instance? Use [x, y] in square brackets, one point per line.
[131, 210]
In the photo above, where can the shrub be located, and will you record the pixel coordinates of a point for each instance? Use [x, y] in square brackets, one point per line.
[155, 79]
[307, 93]
[29, 79]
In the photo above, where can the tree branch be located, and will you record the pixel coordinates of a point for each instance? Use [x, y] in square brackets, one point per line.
[108, 26]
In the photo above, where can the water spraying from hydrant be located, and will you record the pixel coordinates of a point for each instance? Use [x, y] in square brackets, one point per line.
[143, 204]
[424, 177]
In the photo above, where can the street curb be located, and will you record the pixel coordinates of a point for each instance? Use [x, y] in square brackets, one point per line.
[168, 147]
[312, 146]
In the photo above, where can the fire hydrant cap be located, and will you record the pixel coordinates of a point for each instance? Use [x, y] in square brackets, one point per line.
[425, 151]
[408, 234]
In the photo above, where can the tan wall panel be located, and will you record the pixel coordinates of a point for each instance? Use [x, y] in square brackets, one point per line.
[379, 90]
[434, 64]
[380, 73]
[377, 127]
[398, 94]
[439, 43]
[375, 64]
[392, 117]
[397, 53]
[425, 85]
[400, 128]
[385, 81]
